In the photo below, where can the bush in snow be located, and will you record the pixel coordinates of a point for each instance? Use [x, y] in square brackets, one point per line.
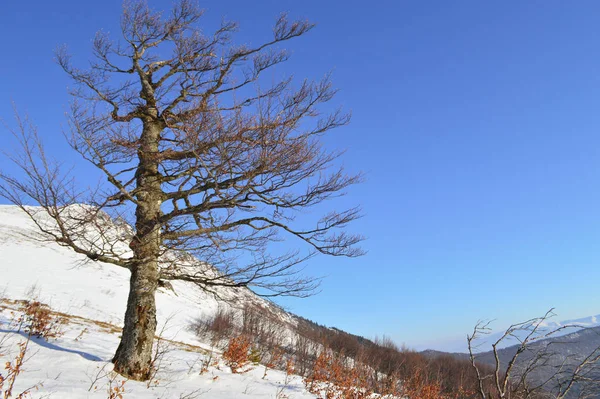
[38, 321]
[237, 354]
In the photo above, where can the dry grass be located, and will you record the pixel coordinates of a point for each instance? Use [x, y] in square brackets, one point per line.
[17, 305]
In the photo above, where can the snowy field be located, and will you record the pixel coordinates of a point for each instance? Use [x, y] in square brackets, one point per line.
[91, 296]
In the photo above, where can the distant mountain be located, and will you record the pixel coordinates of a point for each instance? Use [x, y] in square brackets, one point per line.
[560, 356]
[484, 344]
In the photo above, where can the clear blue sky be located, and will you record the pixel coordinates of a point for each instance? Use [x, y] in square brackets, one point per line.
[477, 124]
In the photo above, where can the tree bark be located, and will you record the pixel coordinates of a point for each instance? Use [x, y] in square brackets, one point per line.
[133, 358]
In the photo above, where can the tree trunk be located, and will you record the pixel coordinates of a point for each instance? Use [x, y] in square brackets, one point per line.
[133, 358]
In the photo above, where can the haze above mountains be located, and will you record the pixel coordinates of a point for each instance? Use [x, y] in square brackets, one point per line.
[459, 344]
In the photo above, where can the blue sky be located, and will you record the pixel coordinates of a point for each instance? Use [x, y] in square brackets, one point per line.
[477, 125]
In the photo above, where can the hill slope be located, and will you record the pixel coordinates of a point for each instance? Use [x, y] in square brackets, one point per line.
[92, 296]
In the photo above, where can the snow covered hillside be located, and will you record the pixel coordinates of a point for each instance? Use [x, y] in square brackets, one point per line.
[92, 297]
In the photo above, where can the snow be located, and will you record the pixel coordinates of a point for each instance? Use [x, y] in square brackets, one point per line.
[94, 295]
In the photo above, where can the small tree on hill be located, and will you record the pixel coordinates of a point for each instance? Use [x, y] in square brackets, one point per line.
[198, 155]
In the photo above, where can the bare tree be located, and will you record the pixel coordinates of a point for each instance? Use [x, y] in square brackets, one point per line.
[535, 367]
[199, 155]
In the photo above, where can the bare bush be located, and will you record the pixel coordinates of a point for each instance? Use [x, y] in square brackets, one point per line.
[38, 321]
[115, 389]
[265, 329]
[253, 321]
[12, 370]
[218, 328]
[304, 351]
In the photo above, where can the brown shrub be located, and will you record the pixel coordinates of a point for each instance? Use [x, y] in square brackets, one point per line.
[38, 321]
[13, 369]
[333, 377]
[236, 354]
